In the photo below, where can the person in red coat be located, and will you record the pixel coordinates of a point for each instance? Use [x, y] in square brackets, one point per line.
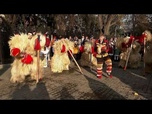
[48, 46]
[102, 57]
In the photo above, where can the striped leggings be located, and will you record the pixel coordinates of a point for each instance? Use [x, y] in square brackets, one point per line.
[108, 63]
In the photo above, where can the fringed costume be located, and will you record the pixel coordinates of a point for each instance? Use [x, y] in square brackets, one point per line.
[130, 48]
[24, 51]
[148, 52]
[60, 60]
[87, 57]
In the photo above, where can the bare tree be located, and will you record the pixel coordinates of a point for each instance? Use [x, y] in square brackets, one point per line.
[139, 22]
[106, 21]
[60, 23]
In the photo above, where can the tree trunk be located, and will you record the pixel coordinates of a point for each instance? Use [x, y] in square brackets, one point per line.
[60, 24]
[100, 23]
[133, 23]
[107, 29]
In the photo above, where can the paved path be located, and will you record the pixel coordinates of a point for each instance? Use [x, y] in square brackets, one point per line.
[72, 85]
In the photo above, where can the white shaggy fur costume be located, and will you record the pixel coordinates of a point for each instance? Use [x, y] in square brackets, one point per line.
[25, 57]
[87, 57]
[148, 52]
[134, 58]
[60, 60]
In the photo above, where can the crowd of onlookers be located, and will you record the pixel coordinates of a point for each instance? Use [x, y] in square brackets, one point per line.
[79, 41]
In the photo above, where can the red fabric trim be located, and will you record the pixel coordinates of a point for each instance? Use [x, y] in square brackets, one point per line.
[63, 49]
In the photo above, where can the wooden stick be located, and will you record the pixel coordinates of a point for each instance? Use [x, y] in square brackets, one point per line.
[90, 57]
[128, 55]
[144, 57]
[38, 60]
[73, 58]
[38, 70]
[75, 61]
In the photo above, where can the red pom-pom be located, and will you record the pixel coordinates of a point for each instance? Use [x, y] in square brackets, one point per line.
[15, 51]
[63, 49]
[27, 59]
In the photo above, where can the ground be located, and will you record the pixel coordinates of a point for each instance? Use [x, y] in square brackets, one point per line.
[72, 85]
